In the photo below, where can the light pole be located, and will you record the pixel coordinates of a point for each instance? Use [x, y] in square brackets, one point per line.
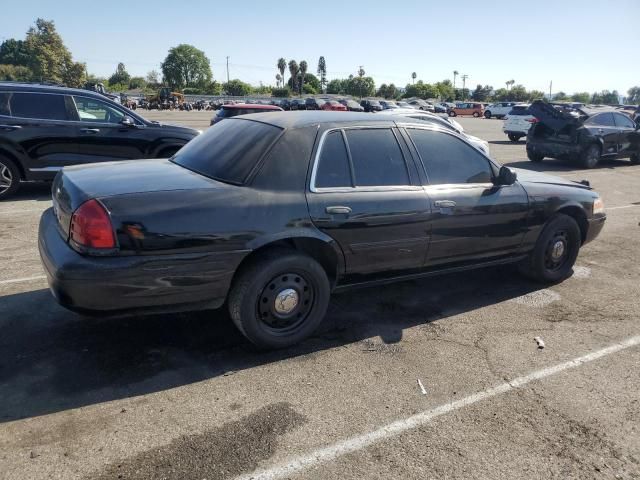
[464, 81]
[227, 69]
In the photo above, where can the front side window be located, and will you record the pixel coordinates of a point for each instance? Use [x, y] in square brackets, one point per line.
[449, 160]
[333, 167]
[39, 106]
[377, 158]
[229, 150]
[92, 110]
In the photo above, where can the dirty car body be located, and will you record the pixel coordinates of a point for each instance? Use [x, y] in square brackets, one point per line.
[581, 134]
[302, 202]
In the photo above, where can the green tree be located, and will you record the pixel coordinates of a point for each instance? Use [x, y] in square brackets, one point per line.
[610, 98]
[519, 93]
[14, 73]
[49, 58]
[278, 80]
[186, 66]
[303, 73]
[560, 96]
[237, 88]
[481, 93]
[582, 97]
[414, 75]
[121, 76]
[153, 78]
[309, 80]
[14, 52]
[293, 72]
[214, 88]
[337, 86]
[536, 95]
[281, 92]
[282, 66]
[360, 86]
[633, 95]
[322, 73]
[137, 82]
[445, 90]
[501, 95]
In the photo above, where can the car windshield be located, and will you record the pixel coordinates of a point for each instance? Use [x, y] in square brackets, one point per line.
[229, 150]
[520, 110]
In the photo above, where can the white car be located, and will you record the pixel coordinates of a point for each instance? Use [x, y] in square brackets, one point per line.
[518, 122]
[499, 109]
[443, 121]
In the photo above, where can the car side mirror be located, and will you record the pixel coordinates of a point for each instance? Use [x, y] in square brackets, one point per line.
[127, 121]
[506, 176]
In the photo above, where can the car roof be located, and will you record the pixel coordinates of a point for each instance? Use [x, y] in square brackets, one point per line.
[252, 106]
[306, 118]
[43, 88]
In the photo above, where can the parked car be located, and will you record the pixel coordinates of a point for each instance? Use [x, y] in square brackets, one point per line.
[467, 108]
[45, 128]
[268, 214]
[423, 105]
[351, 105]
[587, 136]
[371, 105]
[333, 105]
[388, 104]
[229, 111]
[445, 122]
[402, 104]
[283, 103]
[498, 110]
[298, 104]
[314, 103]
[518, 122]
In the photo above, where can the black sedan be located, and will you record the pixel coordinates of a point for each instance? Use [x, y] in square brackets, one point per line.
[45, 128]
[270, 213]
[581, 134]
[351, 105]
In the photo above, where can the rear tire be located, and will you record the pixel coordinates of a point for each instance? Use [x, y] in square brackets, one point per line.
[476, 114]
[452, 113]
[9, 178]
[635, 159]
[487, 114]
[591, 156]
[555, 252]
[279, 299]
[537, 158]
[513, 137]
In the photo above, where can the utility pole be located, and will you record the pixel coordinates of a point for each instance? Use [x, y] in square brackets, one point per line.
[464, 81]
[227, 69]
[550, 86]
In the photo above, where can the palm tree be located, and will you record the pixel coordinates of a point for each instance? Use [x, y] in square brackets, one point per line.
[413, 77]
[455, 74]
[293, 71]
[303, 72]
[282, 66]
[510, 83]
[361, 71]
[278, 78]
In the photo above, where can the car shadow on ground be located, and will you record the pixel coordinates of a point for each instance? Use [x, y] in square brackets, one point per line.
[40, 191]
[557, 165]
[53, 360]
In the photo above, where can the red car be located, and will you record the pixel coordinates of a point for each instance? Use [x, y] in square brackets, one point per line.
[228, 111]
[334, 106]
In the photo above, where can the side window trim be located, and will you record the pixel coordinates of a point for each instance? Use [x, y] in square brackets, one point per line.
[318, 152]
[352, 172]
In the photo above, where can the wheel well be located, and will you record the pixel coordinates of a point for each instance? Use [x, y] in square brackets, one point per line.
[580, 217]
[15, 162]
[320, 251]
[164, 152]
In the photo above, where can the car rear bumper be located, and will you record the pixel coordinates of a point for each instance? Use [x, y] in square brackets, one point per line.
[595, 227]
[127, 284]
[553, 149]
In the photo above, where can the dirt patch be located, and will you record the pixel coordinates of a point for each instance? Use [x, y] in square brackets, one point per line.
[226, 451]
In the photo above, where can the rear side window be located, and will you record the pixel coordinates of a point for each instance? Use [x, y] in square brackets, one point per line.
[229, 150]
[377, 158]
[519, 111]
[448, 160]
[4, 104]
[40, 106]
[333, 168]
[621, 120]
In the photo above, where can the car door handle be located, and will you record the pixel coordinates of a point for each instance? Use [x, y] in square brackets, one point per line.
[90, 130]
[445, 204]
[10, 128]
[338, 210]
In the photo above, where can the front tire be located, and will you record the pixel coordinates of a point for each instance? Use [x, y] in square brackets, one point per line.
[555, 251]
[513, 137]
[9, 178]
[591, 156]
[487, 114]
[635, 159]
[476, 114]
[536, 158]
[452, 113]
[279, 299]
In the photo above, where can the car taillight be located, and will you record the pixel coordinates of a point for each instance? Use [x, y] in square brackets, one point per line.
[91, 226]
[532, 120]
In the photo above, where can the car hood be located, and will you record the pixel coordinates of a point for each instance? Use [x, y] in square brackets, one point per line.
[529, 176]
[179, 129]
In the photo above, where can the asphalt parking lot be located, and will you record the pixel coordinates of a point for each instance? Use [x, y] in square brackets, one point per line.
[183, 396]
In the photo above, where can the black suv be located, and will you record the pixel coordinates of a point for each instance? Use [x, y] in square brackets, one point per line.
[45, 128]
[371, 105]
[314, 103]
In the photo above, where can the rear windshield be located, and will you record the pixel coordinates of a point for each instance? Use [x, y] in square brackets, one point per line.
[229, 150]
[520, 111]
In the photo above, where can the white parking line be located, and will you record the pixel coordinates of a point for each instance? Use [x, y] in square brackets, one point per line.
[25, 279]
[398, 427]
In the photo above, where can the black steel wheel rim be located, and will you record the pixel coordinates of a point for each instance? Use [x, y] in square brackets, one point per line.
[557, 252]
[285, 303]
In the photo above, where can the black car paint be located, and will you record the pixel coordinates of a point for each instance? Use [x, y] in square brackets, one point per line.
[182, 237]
[567, 134]
[42, 147]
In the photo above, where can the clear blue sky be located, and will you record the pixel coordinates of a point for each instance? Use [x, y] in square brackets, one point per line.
[582, 45]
